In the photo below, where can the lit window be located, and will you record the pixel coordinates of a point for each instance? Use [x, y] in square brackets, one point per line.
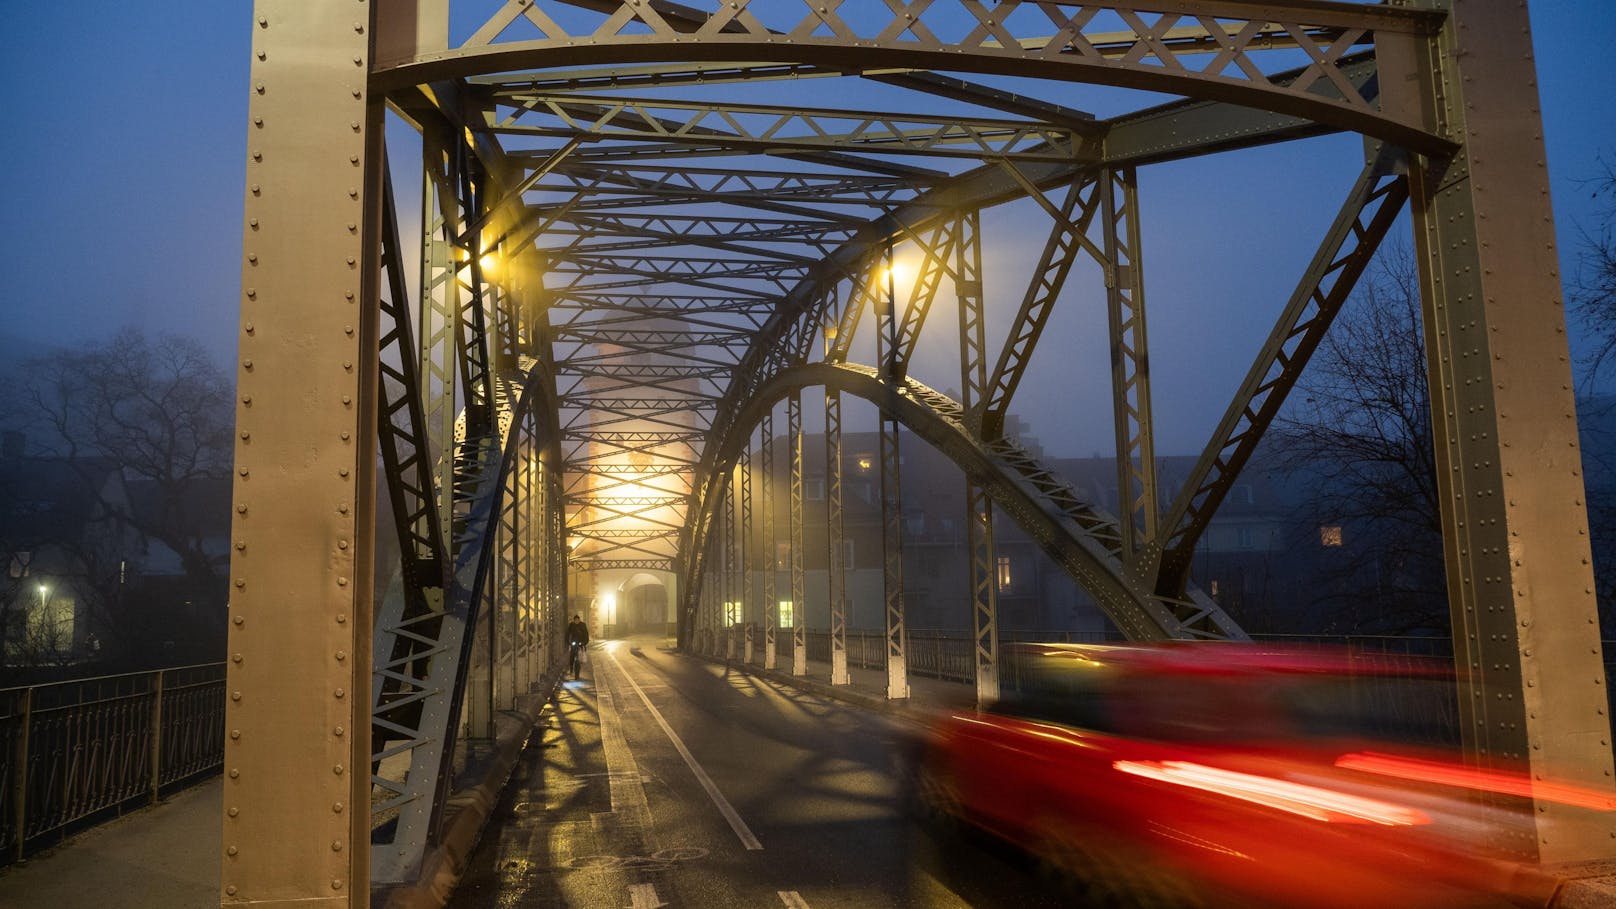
[1330, 535]
[732, 613]
[788, 616]
[1214, 586]
[1004, 572]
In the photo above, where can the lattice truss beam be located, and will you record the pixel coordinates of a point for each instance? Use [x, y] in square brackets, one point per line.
[644, 223]
[652, 250]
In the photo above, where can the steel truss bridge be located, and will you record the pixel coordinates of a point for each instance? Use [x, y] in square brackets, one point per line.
[635, 241]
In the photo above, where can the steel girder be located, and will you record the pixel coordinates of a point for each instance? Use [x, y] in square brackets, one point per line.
[1426, 93]
[1175, 48]
[765, 487]
[1081, 538]
[799, 624]
[424, 658]
[1148, 136]
[836, 579]
[1371, 206]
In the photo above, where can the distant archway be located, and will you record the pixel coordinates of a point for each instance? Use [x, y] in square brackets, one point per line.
[642, 604]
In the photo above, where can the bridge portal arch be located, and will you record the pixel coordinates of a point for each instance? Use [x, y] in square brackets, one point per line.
[655, 262]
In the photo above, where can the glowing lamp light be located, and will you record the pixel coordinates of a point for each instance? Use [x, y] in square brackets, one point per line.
[1308, 801]
[489, 263]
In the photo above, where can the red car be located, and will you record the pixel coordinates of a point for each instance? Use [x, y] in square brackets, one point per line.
[1236, 775]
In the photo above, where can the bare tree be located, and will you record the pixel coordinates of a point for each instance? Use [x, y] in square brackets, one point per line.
[160, 409]
[1593, 291]
[1359, 431]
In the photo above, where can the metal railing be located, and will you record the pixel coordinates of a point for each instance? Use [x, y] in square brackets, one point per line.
[945, 655]
[77, 751]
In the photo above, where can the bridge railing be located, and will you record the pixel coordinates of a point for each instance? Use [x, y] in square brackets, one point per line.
[945, 655]
[74, 753]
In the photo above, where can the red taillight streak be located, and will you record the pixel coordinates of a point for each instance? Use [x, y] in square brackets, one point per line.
[1296, 798]
[1420, 771]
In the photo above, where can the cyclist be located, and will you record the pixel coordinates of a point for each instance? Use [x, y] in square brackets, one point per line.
[577, 640]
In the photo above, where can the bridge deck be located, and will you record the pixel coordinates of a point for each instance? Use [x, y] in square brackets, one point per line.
[660, 780]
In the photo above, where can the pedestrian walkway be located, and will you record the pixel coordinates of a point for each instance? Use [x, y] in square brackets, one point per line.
[162, 857]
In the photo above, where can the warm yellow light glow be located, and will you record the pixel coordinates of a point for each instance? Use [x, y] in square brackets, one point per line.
[864, 462]
[900, 272]
[489, 262]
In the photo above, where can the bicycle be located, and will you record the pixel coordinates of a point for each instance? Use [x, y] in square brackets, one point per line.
[574, 649]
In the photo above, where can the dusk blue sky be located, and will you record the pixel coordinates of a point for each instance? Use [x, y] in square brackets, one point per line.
[123, 158]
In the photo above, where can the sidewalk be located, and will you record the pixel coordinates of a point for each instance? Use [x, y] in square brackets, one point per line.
[162, 857]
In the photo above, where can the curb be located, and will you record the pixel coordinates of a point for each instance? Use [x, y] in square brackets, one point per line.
[468, 811]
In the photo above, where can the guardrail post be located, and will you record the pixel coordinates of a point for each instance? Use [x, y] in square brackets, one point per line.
[157, 737]
[19, 779]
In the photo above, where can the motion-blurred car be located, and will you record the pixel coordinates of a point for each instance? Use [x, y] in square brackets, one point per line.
[1236, 775]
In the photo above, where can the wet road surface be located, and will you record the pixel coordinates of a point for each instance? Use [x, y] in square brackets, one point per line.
[665, 780]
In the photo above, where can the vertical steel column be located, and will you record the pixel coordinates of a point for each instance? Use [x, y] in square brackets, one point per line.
[886, 336]
[732, 566]
[1130, 362]
[1514, 524]
[799, 618]
[440, 307]
[509, 553]
[978, 506]
[542, 562]
[748, 598]
[558, 570]
[503, 623]
[296, 788]
[771, 606]
[711, 617]
[836, 579]
[533, 520]
[892, 561]
[477, 717]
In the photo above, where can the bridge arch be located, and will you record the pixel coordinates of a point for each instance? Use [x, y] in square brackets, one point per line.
[318, 266]
[1077, 536]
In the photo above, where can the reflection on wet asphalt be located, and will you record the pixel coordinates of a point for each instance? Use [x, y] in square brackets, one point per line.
[604, 811]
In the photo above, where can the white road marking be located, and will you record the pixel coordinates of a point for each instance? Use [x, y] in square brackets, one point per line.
[644, 896]
[792, 899]
[724, 807]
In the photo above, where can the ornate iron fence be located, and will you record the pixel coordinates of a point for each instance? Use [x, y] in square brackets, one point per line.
[74, 752]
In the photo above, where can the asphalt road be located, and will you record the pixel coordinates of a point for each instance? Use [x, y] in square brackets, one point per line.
[670, 781]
